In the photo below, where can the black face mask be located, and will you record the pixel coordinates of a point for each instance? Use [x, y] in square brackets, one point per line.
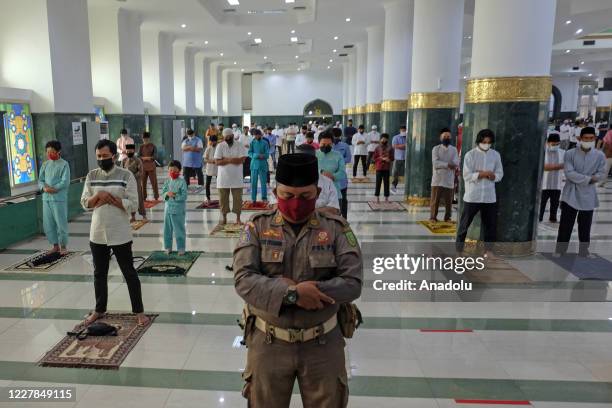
[445, 142]
[383, 141]
[325, 149]
[106, 164]
[336, 140]
[130, 155]
[229, 141]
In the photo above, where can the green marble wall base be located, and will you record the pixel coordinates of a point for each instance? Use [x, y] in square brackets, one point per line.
[372, 118]
[520, 132]
[390, 122]
[58, 126]
[161, 129]
[602, 115]
[134, 124]
[359, 119]
[423, 134]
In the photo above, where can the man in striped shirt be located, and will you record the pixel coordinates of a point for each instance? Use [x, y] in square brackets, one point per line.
[111, 193]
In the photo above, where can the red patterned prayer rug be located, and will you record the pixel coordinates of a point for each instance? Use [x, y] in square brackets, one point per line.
[255, 206]
[106, 352]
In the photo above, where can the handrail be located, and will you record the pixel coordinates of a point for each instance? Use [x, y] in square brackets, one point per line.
[34, 192]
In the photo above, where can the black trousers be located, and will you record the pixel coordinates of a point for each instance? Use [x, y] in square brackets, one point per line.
[189, 172]
[246, 167]
[566, 226]
[554, 196]
[382, 176]
[101, 259]
[208, 181]
[344, 203]
[364, 164]
[488, 218]
[290, 146]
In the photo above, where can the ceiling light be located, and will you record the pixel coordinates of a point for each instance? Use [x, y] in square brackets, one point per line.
[289, 1]
[331, 60]
[235, 63]
[206, 42]
[567, 51]
[465, 77]
[297, 56]
[183, 25]
[294, 39]
[328, 67]
[348, 19]
[242, 70]
[233, 2]
[265, 57]
[257, 40]
[578, 31]
[568, 21]
[336, 37]
[334, 51]
[292, 31]
[273, 69]
[590, 75]
[221, 54]
[249, 33]
[581, 62]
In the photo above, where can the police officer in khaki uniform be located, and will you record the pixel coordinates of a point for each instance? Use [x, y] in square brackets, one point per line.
[295, 267]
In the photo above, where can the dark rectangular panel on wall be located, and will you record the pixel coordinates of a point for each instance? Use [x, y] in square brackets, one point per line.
[247, 92]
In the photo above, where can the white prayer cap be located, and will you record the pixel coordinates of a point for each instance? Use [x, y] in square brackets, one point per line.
[227, 132]
[374, 127]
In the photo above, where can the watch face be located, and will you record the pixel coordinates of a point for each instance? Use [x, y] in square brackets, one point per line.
[292, 297]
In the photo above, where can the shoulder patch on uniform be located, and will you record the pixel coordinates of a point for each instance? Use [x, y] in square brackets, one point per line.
[335, 217]
[350, 236]
[245, 234]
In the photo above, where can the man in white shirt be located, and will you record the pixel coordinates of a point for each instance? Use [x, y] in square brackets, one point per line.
[112, 194]
[328, 198]
[552, 180]
[290, 135]
[564, 134]
[229, 157]
[444, 159]
[482, 168]
[575, 134]
[373, 142]
[300, 139]
[360, 151]
[237, 132]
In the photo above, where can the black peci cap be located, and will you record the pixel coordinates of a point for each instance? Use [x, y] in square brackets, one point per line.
[297, 170]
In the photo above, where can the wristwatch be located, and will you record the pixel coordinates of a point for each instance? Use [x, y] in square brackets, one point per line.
[291, 296]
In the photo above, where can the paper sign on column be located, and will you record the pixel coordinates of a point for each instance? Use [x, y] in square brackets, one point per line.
[77, 133]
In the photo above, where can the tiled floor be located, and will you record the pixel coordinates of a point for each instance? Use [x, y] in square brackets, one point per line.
[552, 349]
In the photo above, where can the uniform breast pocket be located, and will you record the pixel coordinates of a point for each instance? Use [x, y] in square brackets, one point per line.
[272, 260]
[322, 265]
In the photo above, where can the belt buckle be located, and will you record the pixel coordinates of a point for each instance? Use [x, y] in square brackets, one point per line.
[296, 335]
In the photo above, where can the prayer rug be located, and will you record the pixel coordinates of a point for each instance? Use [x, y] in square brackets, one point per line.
[358, 180]
[159, 263]
[255, 206]
[595, 268]
[28, 263]
[138, 224]
[227, 231]
[195, 189]
[105, 352]
[440, 227]
[386, 206]
[496, 271]
[212, 204]
[151, 203]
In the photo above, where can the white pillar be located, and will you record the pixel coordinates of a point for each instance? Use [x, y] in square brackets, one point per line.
[376, 39]
[166, 74]
[190, 81]
[398, 50]
[130, 62]
[499, 49]
[225, 90]
[69, 42]
[361, 66]
[198, 73]
[178, 56]
[345, 86]
[604, 97]
[213, 89]
[352, 85]
[437, 36]
[207, 85]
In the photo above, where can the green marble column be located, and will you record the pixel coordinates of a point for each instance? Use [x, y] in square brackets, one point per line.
[372, 116]
[392, 115]
[428, 112]
[602, 113]
[516, 110]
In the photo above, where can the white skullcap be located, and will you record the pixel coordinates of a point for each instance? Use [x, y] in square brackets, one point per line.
[374, 127]
[227, 132]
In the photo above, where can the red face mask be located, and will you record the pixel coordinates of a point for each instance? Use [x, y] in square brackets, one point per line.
[174, 174]
[53, 156]
[298, 209]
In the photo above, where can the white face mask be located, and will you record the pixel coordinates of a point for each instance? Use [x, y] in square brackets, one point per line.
[587, 145]
[484, 146]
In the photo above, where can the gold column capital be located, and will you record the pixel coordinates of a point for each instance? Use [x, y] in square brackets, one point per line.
[360, 109]
[373, 107]
[394, 105]
[508, 89]
[350, 111]
[434, 100]
[345, 112]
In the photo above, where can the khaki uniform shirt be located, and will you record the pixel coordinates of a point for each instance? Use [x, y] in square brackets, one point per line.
[325, 250]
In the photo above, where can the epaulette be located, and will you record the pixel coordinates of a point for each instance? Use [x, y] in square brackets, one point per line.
[334, 217]
[262, 213]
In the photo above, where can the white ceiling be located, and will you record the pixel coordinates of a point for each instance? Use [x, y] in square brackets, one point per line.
[319, 21]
